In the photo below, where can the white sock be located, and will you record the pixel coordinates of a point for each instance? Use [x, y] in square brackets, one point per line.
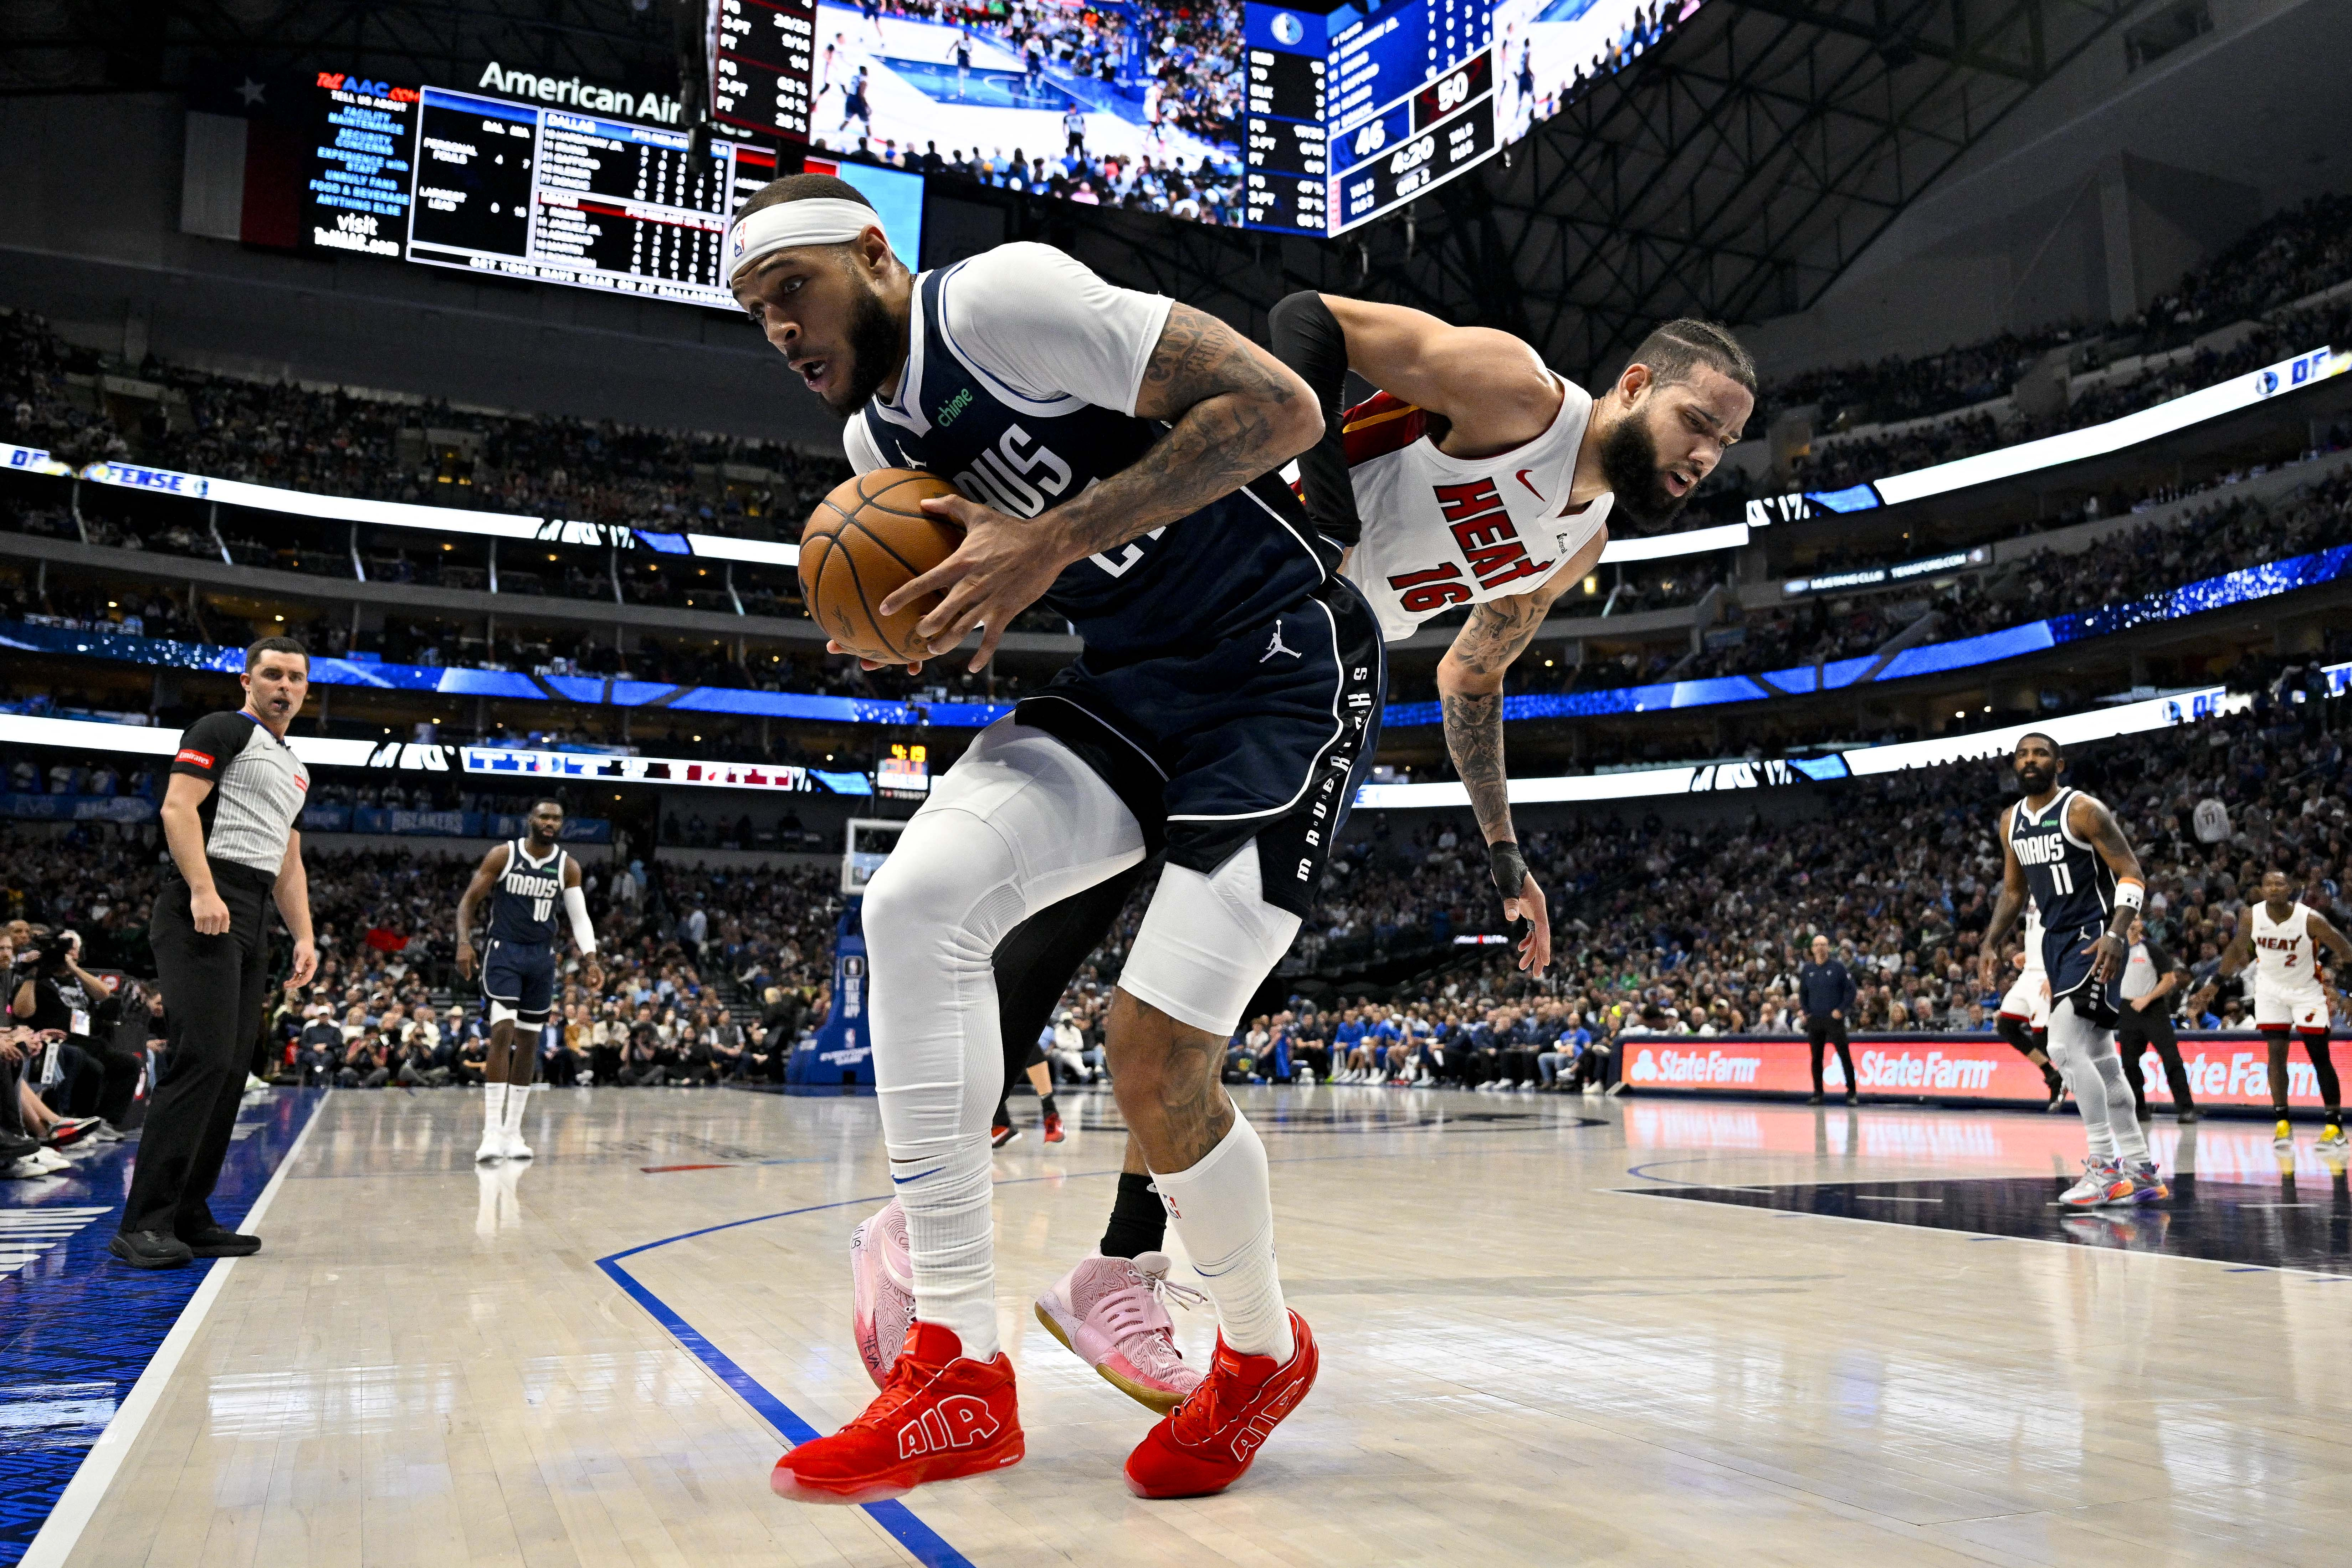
[1224, 1210]
[494, 1106]
[949, 1241]
[518, 1102]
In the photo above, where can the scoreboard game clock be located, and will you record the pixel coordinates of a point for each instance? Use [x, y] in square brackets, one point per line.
[762, 60]
[1415, 100]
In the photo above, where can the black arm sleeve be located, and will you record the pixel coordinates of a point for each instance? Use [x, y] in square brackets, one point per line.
[1308, 338]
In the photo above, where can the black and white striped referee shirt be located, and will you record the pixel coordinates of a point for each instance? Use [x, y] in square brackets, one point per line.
[258, 788]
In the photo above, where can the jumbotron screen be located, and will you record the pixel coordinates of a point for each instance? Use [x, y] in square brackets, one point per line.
[1238, 112]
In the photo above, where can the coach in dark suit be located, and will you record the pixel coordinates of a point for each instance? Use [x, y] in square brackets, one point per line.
[1825, 994]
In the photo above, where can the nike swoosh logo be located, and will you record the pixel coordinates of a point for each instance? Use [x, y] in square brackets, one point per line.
[917, 1176]
[1531, 489]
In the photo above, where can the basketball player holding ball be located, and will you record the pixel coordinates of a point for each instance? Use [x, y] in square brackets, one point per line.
[1477, 476]
[1113, 455]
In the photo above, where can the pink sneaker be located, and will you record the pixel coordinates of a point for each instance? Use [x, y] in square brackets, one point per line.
[882, 1290]
[1113, 1314]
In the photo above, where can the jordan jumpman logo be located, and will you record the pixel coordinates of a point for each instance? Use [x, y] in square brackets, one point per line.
[1275, 647]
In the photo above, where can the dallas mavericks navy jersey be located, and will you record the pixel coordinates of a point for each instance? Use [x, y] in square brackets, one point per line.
[1222, 571]
[529, 892]
[2070, 884]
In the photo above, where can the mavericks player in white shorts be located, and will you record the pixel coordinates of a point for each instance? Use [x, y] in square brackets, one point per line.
[2024, 1016]
[2282, 937]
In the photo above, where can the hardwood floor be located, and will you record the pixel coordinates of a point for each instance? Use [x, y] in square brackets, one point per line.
[1532, 1353]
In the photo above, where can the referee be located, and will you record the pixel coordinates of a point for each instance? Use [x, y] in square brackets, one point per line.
[2152, 975]
[228, 818]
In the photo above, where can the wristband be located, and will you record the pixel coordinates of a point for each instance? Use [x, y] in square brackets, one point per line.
[1510, 870]
[2129, 894]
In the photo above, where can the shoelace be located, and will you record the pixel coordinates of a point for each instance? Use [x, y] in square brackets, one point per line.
[1131, 1312]
[909, 1378]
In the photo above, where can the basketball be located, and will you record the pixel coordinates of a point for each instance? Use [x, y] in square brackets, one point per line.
[862, 542]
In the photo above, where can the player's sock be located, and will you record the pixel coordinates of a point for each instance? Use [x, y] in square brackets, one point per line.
[494, 1107]
[1139, 1224]
[949, 1244]
[518, 1102]
[1224, 1209]
[2323, 1067]
[2122, 1112]
[1045, 1104]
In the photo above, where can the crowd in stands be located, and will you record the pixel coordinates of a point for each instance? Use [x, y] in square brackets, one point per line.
[2289, 256]
[2190, 545]
[336, 441]
[1667, 929]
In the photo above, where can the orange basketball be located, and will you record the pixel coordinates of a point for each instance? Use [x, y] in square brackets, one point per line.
[862, 542]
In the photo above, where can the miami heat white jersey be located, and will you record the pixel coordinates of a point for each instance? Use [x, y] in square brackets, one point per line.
[1443, 532]
[2284, 953]
[2034, 940]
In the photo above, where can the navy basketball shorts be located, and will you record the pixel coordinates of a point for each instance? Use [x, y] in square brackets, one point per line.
[519, 983]
[1264, 737]
[2072, 975]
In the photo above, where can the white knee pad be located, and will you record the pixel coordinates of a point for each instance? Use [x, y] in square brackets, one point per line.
[2076, 1039]
[1205, 943]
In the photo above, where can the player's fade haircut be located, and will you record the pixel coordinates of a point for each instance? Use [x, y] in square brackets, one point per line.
[800, 188]
[2045, 737]
[276, 645]
[1675, 349]
[538, 800]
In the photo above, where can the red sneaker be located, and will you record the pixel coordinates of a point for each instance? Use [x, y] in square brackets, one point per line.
[1206, 1443]
[1053, 1130]
[941, 1415]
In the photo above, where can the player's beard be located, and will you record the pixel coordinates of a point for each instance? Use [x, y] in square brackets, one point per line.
[1629, 461]
[2036, 780]
[873, 354]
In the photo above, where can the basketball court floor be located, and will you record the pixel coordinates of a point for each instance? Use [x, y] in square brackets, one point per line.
[1555, 1331]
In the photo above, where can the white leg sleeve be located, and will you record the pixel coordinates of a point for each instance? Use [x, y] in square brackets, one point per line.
[1222, 1208]
[2086, 1053]
[1018, 824]
[1205, 943]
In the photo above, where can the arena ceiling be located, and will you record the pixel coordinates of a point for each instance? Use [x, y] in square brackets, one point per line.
[1733, 172]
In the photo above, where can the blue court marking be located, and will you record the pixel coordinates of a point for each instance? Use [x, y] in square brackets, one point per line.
[895, 1518]
[77, 1328]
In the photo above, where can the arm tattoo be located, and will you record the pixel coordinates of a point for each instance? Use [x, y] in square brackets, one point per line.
[2106, 836]
[1497, 632]
[1223, 395]
[1473, 738]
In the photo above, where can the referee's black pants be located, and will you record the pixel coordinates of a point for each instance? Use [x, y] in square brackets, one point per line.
[2135, 1032]
[214, 987]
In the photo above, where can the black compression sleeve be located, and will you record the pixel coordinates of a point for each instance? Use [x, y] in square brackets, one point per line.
[1308, 338]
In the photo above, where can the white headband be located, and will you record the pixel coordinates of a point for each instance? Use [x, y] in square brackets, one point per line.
[819, 220]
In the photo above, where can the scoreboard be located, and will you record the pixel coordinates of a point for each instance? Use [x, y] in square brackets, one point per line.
[762, 60]
[542, 192]
[561, 197]
[1355, 112]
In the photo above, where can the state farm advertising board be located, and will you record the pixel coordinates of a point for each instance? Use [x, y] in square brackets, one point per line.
[2223, 1069]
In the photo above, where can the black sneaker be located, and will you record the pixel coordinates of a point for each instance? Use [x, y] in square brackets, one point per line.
[2188, 1115]
[219, 1241]
[151, 1250]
